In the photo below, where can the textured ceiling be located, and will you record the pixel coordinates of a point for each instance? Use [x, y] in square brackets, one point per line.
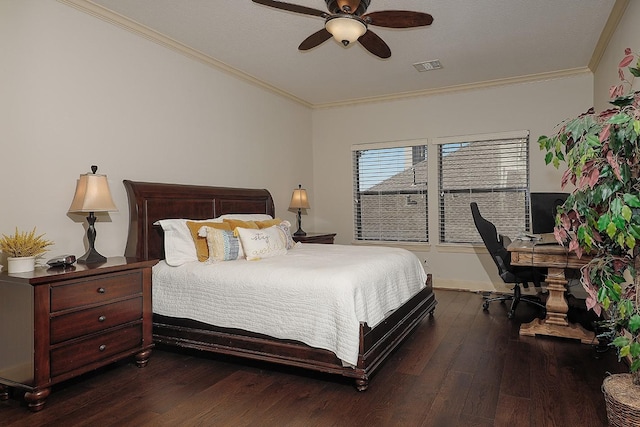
[477, 41]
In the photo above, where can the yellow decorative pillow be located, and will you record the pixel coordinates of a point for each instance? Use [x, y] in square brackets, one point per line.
[202, 250]
[235, 223]
[268, 223]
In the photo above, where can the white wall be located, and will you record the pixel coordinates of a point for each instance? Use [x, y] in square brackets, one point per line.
[77, 91]
[536, 107]
[627, 35]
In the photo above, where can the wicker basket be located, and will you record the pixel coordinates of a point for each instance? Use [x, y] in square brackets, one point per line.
[622, 399]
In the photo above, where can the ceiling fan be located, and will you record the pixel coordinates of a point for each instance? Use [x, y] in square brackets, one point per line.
[347, 22]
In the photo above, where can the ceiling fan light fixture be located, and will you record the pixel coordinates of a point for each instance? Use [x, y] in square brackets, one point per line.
[345, 28]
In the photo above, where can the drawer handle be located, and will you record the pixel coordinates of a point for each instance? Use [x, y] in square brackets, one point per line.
[101, 290]
[102, 318]
[102, 347]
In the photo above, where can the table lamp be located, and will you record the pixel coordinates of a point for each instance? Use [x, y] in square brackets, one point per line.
[299, 201]
[92, 195]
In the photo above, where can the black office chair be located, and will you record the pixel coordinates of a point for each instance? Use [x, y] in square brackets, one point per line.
[496, 245]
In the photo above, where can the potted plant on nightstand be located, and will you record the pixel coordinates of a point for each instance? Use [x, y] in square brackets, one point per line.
[602, 218]
[22, 249]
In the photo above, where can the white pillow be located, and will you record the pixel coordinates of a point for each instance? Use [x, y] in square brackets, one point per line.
[262, 243]
[179, 246]
[285, 226]
[246, 217]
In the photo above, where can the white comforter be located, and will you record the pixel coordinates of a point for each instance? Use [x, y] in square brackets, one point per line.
[317, 294]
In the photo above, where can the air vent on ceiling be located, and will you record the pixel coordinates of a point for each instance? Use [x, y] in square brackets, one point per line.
[428, 65]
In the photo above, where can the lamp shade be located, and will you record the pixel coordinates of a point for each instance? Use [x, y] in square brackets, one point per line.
[299, 199]
[345, 28]
[92, 195]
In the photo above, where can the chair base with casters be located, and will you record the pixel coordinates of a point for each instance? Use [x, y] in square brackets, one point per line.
[515, 299]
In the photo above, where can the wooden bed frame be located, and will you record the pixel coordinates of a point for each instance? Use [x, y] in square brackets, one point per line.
[149, 202]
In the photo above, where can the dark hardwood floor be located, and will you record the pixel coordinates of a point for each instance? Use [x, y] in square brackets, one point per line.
[463, 367]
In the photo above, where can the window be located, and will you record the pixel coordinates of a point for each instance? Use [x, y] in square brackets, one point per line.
[390, 193]
[492, 171]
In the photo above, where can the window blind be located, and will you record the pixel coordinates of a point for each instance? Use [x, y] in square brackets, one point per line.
[493, 173]
[390, 194]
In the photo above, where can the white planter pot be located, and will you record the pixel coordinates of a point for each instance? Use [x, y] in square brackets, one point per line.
[21, 264]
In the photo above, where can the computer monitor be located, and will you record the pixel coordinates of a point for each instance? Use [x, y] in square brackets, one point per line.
[543, 211]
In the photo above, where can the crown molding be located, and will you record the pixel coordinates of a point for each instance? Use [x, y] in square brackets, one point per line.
[460, 88]
[607, 32]
[114, 18]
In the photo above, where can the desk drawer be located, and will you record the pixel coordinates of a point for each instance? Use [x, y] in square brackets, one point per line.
[96, 290]
[86, 322]
[94, 349]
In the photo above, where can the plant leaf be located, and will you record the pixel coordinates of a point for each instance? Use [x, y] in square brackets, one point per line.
[616, 206]
[634, 349]
[631, 200]
[603, 221]
[622, 101]
[630, 241]
[634, 230]
[619, 119]
[624, 351]
[628, 59]
[619, 222]
[548, 158]
[620, 341]
[634, 323]
[611, 230]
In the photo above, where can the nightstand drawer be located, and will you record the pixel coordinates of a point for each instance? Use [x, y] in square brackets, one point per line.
[95, 319]
[94, 349]
[95, 290]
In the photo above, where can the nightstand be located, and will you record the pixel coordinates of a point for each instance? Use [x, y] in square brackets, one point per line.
[57, 323]
[326, 238]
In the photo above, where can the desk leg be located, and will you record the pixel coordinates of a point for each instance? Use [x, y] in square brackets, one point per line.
[556, 323]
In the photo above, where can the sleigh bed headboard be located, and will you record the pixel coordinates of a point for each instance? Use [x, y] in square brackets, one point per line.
[149, 202]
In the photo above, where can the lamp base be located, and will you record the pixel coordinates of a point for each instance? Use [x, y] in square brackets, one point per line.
[92, 257]
[300, 232]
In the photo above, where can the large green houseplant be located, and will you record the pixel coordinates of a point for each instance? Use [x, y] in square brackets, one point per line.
[601, 217]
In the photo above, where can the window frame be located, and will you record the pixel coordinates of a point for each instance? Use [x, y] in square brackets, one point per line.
[468, 233]
[422, 190]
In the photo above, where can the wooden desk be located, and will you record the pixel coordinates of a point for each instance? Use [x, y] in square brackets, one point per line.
[555, 258]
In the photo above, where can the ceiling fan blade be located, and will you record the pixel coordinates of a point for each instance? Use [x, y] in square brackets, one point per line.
[374, 44]
[293, 8]
[398, 19]
[315, 39]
